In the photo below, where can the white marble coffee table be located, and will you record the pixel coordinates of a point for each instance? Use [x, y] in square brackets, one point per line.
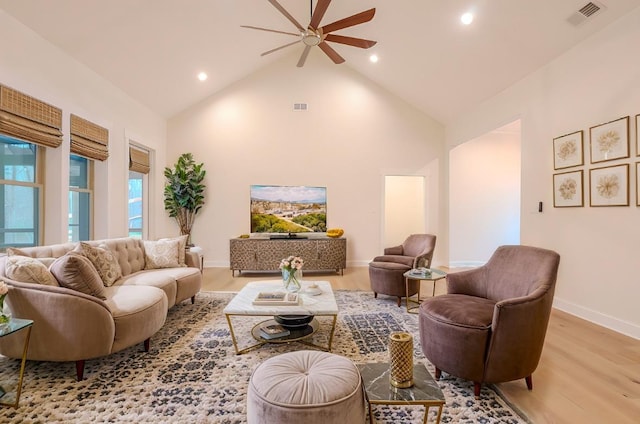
[323, 304]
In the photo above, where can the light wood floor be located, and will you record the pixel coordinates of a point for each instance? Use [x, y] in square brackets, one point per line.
[587, 374]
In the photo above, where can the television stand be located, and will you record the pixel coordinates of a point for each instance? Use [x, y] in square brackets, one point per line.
[287, 236]
[263, 254]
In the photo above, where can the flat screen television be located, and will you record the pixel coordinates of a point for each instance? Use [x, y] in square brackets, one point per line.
[288, 209]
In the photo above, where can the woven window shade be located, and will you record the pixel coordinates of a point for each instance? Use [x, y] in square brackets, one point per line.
[88, 139]
[29, 119]
[139, 160]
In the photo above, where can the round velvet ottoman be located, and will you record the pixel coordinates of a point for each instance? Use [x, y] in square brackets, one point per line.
[388, 278]
[306, 387]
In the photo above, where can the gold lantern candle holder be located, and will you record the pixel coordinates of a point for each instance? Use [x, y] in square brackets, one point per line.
[401, 359]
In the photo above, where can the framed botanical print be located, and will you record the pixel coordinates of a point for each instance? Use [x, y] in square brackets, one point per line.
[609, 186]
[567, 150]
[568, 189]
[610, 141]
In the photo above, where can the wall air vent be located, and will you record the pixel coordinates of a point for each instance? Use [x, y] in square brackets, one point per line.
[587, 11]
[299, 106]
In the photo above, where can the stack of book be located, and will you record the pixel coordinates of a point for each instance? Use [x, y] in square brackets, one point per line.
[273, 331]
[276, 298]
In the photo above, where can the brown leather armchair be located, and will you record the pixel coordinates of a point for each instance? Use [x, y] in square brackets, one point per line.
[491, 324]
[386, 272]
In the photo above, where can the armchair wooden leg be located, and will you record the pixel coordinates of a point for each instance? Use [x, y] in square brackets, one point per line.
[476, 389]
[147, 344]
[529, 381]
[193, 299]
[375, 295]
[438, 373]
[80, 369]
[399, 301]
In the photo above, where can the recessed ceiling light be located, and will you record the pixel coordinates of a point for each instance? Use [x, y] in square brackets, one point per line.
[373, 58]
[466, 18]
[202, 76]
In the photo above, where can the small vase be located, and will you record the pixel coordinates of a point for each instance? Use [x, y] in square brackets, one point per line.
[291, 280]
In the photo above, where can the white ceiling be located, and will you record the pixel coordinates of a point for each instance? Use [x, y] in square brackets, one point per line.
[153, 49]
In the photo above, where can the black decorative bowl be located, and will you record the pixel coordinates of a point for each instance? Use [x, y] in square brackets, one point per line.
[293, 322]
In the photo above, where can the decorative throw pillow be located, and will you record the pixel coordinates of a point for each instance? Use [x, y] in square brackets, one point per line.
[28, 270]
[103, 260]
[75, 271]
[14, 251]
[181, 248]
[161, 254]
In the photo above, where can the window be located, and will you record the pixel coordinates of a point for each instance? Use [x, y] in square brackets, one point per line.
[20, 193]
[80, 198]
[136, 193]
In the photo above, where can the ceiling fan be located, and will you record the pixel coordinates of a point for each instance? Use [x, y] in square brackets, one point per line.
[315, 35]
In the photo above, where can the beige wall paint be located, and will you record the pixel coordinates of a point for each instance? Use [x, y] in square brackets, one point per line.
[595, 82]
[352, 135]
[32, 65]
[404, 206]
[484, 196]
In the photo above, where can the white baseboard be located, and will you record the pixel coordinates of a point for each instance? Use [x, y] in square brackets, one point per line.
[466, 264]
[620, 326]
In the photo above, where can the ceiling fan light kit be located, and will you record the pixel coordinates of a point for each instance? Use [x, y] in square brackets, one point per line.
[314, 35]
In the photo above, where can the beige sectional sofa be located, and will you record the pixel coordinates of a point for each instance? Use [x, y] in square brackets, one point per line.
[78, 318]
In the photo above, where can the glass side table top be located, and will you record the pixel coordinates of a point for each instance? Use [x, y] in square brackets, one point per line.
[16, 324]
[10, 390]
[420, 274]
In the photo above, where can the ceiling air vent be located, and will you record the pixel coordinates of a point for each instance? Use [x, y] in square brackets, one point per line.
[299, 106]
[587, 11]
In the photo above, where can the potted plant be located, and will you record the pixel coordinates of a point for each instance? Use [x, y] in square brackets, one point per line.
[184, 192]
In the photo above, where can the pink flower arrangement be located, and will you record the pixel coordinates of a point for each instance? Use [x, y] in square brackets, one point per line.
[292, 263]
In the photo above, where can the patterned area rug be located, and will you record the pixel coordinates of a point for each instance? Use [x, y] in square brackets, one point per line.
[192, 374]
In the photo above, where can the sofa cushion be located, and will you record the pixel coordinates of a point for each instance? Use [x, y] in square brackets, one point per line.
[161, 254]
[159, 278]
[138, 313]
[76, 272]
[182, 248]
[28, 270]
[103, 260]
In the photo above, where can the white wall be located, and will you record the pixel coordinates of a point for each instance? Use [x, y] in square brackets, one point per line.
[35, 67]
[595, 82]
[404, 206]
[484, 196]
[352, 135]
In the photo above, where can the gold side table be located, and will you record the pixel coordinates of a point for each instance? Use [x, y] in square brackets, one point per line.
[414, 274]
[12, 397]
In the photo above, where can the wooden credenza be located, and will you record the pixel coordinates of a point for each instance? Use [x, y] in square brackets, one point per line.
[256, 254]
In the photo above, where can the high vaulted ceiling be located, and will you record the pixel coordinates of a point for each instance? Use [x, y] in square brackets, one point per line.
[153, 49]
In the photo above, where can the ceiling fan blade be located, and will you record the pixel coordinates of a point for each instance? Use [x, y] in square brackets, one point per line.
[358, 18]
[350, 41]
[303, 57]
[318, 13]
[270, 30]
[286, 14]
[279, 48]
[333, 55]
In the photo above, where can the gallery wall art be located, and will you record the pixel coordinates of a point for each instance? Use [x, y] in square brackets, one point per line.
[567, 150]
[568, 189]
[610, 141]
[609, 186]
[606, 185]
